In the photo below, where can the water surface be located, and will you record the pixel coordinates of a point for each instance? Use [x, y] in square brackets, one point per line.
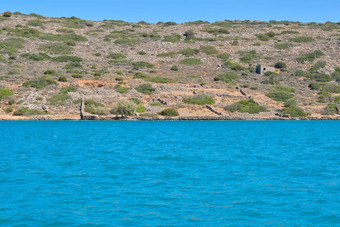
[199, 173]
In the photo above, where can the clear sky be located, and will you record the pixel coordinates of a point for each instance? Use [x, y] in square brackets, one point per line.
[181, 10]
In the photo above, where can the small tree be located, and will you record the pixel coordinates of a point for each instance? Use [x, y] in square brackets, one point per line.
[280, 65]
[124, 108]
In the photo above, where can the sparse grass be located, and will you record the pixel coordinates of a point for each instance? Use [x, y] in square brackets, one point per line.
[282, 46]
[200, 99]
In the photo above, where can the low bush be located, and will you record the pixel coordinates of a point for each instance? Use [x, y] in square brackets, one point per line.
[246, 106]
[116, 56]
[77, 75]
[145, 89]
[263, 37]
[191, 61]
[156, 104]
[66, 90]
[140, 108]
[217, 31]
[62, 79]
[315, 86]
[280, 65]
[4, 93]
[59, 99]
[283, 89]
[226, 77]
[124, 108]
[73, 65]
[169, 112]
[172, 38]
[337, 99]
[36, 57]
[142, 52]
[142, 64]
[189, 52]
[159, 80]
[135, 100]
[318, 65]
[25, 111]
[324, 97]
[282, 46]
[224, 56]
[209, 50]
[121, 89]
[174, 68]
[56, 48]
[67, 59]
[330, 109]
[331, 88]
[302, 39]
[320, 77]
[39, 82]
[199, 99]
[233, 65]
[167, 55]
[35, 23]
[279, 95]
[293, 111]
[310, 57]
[128, 42]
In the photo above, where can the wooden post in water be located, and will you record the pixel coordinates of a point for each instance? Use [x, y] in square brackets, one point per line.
[82, 108]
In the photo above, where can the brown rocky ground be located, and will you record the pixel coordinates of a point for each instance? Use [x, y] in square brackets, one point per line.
[94, 41]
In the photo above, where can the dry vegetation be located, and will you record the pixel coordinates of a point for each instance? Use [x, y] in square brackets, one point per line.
[48, 64]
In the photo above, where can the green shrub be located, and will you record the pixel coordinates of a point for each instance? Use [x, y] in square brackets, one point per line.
[4, 93]
[315, 86]
[121, 89]
[140, 108]
[337, 99]
[200, 99]
[302, 39]
[167, 55]
[59, 99]
[62, 79]
[36, 23]
[280, 65]
[142, 64]
[246, 106]
[7, 14]
[282, 46]
[217, 31]
[25, 111]
[67, 59]
[336, 76]
[320, 77]
[301, 73]
[263, 37]
[77, 75]
[135, 100]
[98, 110]
[116, 56]
[209, 50]
[318, 65]
[289, 32]
[224, 56]
[140, 75]
[270, 73]
[174, 68]
[283, 89]
[36, 57]
[145, 89]
[324, 97]
[124, 108]
[172, 38]
[226, 77]
[156, 104]
[56, 48]
[330, 109]
[310, 57]
[169, 112]
[73, 65]
[233, 65]
[128, 42]
[191, 61]
[280, 95]
[148, 115]
[66, 90]
[188, 52]
[159, 80]
[39, 82]
[290, 102]
[331, 88]
[189, 35]
[92, 103]
[142, 52]
[293, 111]
[50, 72]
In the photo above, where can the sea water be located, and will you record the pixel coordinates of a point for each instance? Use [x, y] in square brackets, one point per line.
[169, 173]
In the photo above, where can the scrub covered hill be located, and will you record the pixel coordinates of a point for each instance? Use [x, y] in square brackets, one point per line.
[47, 65]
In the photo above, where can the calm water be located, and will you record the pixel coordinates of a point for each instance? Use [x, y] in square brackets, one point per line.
[170, 173]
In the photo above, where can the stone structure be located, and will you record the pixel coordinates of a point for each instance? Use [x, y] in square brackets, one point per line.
[262, 69]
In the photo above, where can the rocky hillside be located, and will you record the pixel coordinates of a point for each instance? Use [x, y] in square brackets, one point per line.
[196, 69]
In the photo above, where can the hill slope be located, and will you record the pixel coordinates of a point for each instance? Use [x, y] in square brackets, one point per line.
[47, 65]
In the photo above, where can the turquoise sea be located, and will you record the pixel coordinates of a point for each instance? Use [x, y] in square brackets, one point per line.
[170, 173]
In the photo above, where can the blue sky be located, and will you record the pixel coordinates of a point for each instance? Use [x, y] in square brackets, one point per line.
[182, 10]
